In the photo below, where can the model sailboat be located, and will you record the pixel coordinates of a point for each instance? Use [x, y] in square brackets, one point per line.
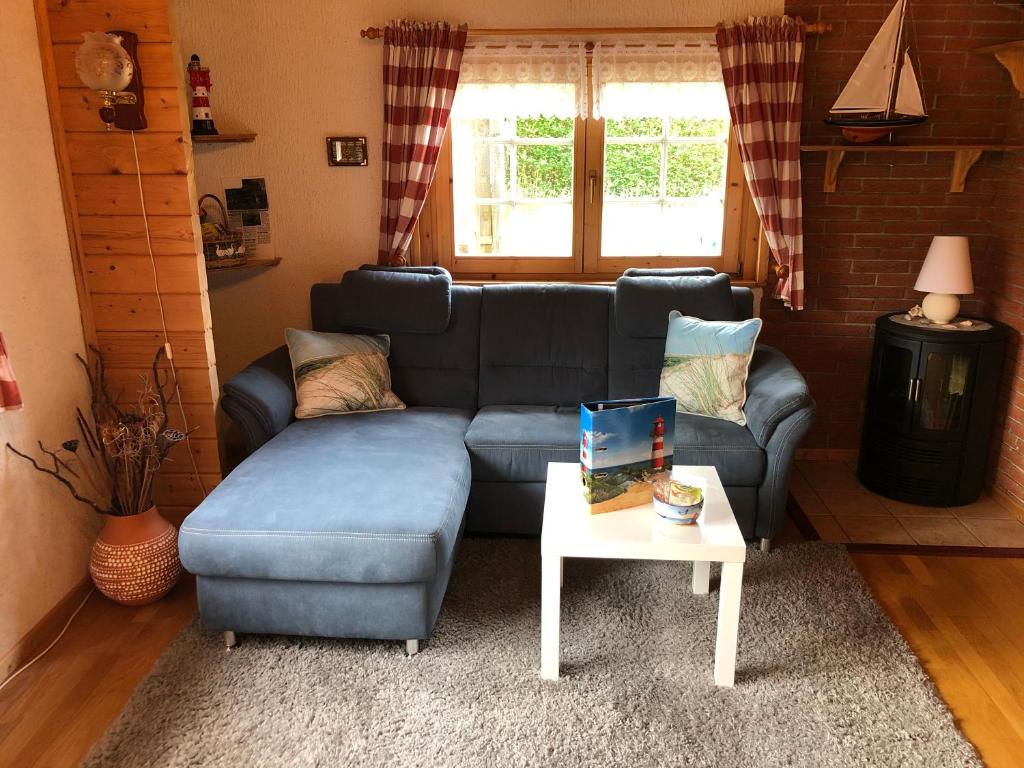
[883, 93]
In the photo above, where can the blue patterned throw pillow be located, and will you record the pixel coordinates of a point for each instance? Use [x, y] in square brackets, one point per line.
[706, 365]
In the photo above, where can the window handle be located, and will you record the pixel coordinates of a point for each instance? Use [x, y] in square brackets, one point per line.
[593, 183]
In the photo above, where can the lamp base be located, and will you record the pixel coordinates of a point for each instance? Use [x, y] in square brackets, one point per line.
[941, 307]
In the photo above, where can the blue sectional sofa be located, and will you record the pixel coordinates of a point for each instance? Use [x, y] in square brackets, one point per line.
[347, 526]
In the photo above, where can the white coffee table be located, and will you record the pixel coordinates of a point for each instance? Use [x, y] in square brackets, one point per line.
[639, 534]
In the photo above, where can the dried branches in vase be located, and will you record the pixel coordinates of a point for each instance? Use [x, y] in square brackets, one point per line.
[124, 447]
[111, 467]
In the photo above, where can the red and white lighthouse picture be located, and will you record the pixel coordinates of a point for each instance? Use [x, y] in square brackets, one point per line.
[200, 84]
[623, 445]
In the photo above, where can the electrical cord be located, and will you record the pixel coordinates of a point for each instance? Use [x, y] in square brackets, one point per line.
[43, 652]
[163, 319]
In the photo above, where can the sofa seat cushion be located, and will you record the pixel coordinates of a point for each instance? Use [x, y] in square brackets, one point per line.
[514, 443]
[368, 498]
[730, 448]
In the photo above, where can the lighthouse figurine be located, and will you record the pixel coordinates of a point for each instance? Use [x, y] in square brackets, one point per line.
[199, 82]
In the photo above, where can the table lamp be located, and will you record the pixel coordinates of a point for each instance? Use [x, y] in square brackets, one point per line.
[945, 274]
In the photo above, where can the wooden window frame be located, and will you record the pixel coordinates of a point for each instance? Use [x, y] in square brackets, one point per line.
[744, 251]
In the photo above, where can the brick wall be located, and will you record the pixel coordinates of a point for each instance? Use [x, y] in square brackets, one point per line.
[1005, 279]
[865, 242]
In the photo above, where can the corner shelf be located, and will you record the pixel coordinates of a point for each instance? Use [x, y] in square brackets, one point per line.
[250, 264]
[225, 138]
[1011, 56]
[964, 157]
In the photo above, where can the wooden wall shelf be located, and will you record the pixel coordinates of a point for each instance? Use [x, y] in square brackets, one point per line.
[964, 157]
[1011, 56]
[225, 138]
[250, 264]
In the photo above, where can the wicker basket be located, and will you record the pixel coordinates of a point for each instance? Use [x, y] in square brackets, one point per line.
[226, 248]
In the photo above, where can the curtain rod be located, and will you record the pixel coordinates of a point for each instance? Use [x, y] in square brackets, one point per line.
[373, 33]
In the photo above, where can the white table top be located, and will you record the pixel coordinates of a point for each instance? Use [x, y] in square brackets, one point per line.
[638, 533]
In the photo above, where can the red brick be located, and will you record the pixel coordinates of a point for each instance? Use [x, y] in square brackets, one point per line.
[880, 266]
[898, 279]
[876, 292]
[846, 279]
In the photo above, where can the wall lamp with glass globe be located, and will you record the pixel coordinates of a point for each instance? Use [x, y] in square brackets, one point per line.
[106, 67]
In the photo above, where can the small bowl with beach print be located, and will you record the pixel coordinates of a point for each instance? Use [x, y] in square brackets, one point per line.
[678, 499]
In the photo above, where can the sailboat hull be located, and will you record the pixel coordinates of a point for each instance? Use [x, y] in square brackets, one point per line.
[864, 130]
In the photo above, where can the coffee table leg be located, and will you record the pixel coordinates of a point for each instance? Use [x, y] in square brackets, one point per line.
[728, 623]
[550, 609]
[701, 577]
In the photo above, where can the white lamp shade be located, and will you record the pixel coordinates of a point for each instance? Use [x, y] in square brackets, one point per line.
[102, 64]
[947, 267]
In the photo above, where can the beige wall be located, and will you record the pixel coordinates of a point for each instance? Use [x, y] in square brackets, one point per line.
[45, 535]
[296, 72]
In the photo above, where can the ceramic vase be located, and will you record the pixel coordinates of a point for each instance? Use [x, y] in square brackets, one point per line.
[135, 558]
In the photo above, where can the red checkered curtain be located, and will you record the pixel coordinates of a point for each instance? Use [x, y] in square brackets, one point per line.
[421, 71]
[763, 71]
[10, 397]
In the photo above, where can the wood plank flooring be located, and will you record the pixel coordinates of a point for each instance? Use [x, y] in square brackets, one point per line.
[963, 617]
[54, 711]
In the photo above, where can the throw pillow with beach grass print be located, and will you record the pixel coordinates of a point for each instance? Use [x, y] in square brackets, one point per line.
[706, 364]
[340, 373]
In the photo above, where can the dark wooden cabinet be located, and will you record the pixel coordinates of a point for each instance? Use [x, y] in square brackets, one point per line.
[932, 398]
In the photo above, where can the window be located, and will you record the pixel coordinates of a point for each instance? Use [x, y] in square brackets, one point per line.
[564, 161]
[512, 176]
[665, 167]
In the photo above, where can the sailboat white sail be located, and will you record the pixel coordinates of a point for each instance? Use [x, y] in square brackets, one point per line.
[870, 88]
[908, 93]
[870, 85]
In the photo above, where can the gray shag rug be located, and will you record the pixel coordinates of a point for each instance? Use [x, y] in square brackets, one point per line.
[823, 679]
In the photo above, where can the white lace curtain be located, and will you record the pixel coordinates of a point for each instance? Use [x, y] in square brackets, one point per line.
[543, 78]
[674, 77]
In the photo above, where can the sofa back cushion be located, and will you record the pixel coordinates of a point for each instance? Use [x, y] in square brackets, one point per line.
[543, 344]
[427, 368]
[638, 323]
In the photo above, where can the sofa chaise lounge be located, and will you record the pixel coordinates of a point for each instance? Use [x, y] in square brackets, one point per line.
[348, 526]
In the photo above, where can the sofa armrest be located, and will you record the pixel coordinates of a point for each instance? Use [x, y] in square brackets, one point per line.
[261, 397]
[775, 391]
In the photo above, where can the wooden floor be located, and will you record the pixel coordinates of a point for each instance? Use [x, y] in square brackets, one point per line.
[963, 616]
[53, 712]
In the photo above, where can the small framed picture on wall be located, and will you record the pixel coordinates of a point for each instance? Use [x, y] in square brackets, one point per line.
[346, 150]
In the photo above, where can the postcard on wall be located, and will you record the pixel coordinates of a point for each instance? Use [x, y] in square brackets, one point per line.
[249, 210]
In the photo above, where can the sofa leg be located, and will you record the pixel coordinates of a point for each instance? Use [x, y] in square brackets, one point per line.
[412, 647]
[766, 545]
[230, 641]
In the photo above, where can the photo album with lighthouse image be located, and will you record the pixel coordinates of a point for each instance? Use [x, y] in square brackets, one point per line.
[622, 447]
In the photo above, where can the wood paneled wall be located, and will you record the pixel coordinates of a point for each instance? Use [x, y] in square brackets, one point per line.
[119, 295]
